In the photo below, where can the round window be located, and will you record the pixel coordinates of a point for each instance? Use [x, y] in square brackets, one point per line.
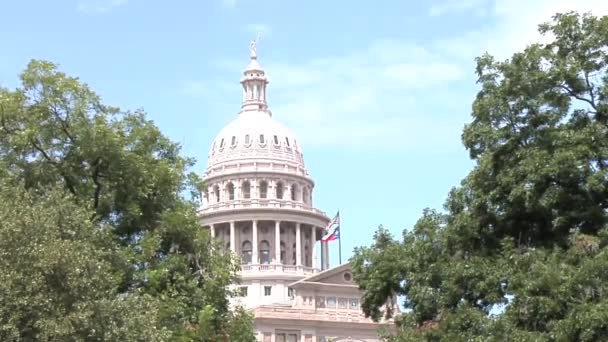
[348, 277]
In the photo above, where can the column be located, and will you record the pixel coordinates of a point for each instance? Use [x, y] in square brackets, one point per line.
[232, 237]
[298, 246]
[277, 242]
[212, 230]
[254, 253]
[315, 263]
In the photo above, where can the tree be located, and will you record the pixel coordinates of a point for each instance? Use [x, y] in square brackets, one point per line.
[131, 181]
[520, 251]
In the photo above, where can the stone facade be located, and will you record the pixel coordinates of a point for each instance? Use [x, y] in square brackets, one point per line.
[258, 200]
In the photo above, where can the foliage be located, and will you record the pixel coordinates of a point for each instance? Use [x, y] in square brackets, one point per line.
[125, 182]
[520, 253]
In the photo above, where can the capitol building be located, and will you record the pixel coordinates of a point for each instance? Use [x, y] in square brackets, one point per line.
[258, 201]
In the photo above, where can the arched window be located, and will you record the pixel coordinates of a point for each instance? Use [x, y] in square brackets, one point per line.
[294, 254]
[216, 193]
[264, 252]
[230, 190]
[279, 190]
[307, 257]
[262, 141]
[246, 188]
[283, 252]
[294, 192]
[247, 141]
[246, 252]
[263, 189]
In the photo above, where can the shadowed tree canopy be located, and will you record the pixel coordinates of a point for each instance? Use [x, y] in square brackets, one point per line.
[98, 226]
[520, 251]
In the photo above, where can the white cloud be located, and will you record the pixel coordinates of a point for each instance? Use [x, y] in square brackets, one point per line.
[99, 6]
[393, 94]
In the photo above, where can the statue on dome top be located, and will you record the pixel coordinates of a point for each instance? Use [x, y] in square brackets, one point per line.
[253, 47]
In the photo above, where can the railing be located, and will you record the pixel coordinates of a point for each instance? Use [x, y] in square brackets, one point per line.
[262, 268]
[259, 203]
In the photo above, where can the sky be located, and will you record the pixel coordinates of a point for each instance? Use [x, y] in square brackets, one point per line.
[377, 92]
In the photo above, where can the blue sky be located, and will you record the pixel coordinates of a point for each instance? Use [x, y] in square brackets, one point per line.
[378, 92]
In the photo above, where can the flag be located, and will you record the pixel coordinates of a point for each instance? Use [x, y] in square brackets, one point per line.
[332, 231]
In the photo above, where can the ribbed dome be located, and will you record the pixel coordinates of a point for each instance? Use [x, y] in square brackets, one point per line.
[255, 135]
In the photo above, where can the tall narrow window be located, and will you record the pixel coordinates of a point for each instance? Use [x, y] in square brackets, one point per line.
[222, 143]
[283, 252]
[305, 198]
[264, 252]
[246, 252]
[276, 140]
[246, 188]
[279, 190]
[263, 189]
[262, 141]
[247, 139]
[294, 192]
[293, 254]
[230, 189]
[216, 193]
[287, 141]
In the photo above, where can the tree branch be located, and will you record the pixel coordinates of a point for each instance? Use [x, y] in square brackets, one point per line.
[98, 185]
[67, 180]
[578, 97]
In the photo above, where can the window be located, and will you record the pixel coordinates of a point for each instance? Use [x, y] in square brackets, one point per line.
[267, 290]
[342, 303]
[354, 303]
[247, 141]
[287, 141]
[242, 292]
[263, 189]
[222, 144]
[284, 337]
[246, 188]
[294, 192]
[290, 292]
[216, 193]
[282, 252]
[262, 141]
[306, 257]
[279, 190]
[264, 252]
[305, 196]
[348, 277]
[246, 252]
[331, 302]
[293, 254]
[320, 302]
[233, 141]
[276, 140]
[230, 188]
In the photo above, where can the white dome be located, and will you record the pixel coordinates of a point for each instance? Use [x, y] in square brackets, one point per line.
[255, 135]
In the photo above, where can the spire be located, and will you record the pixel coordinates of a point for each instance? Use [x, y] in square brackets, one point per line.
[254, 83]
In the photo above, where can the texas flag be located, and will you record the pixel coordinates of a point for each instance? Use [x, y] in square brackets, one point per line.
[333, 229]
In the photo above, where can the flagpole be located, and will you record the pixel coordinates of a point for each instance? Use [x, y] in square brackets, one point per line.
[340, 241]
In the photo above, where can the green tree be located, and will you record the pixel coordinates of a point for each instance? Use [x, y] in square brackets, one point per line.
[520, 251]
[119, 169]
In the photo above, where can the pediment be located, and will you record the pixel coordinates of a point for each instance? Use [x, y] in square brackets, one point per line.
[337, 276]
